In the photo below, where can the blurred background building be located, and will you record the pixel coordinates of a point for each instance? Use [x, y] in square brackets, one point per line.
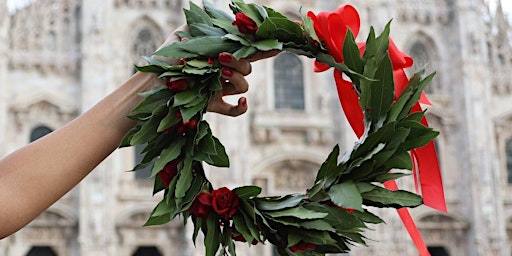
[58, 58]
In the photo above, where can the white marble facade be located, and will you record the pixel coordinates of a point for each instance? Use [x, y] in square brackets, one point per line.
[58, 58]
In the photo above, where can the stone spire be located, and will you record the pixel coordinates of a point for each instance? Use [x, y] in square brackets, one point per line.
[502, 25]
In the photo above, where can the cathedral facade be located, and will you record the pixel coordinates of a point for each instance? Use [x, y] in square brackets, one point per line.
[58, 58]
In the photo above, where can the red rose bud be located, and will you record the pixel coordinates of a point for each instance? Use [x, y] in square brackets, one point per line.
[302, 247]
[245, 24]
[192, 124]
[169, 171]
[182, 129]
[177, 85]
[201, 206]
[225, 202]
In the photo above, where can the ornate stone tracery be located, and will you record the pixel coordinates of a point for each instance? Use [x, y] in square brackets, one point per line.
[425, 12]
[44, 36]
[157, 4]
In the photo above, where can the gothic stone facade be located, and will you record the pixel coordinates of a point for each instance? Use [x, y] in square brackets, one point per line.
[57, 58]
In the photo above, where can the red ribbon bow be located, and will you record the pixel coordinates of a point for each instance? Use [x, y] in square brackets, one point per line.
[332, 28]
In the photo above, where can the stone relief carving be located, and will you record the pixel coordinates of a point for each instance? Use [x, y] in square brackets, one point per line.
[294, 175]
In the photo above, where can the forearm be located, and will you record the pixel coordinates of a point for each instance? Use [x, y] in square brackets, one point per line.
[37, 175]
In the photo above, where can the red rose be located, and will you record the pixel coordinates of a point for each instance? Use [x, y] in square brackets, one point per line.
[331, 28]
[201, 206]
[245, 24]
[224, 202]
[169, 171]
[302, 247]
[177, 85]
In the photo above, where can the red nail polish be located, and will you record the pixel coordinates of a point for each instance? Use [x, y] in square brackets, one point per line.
[244, 102]
[225, 57]
[227, 72]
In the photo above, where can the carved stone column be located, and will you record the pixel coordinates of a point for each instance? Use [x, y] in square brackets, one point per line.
[4, 26]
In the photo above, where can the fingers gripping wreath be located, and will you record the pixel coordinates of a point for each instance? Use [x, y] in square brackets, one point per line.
[332, 214]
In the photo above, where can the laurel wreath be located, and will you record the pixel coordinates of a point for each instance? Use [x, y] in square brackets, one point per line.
[333, 213]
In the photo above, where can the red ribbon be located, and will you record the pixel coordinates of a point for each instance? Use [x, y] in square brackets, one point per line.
[331, 28]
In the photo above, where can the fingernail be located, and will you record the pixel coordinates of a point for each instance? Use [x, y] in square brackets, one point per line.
[227, 72]
[225, 57]
[243, 101]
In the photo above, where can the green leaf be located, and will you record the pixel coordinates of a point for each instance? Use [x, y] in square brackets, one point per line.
[212, 237]
[245, 52]
[207, 46]
[186, 175]
[253, 11]
[351, 53]
[152, 98]
[282, 29]
[197, 15]
[390, 176]
[184, 97]
[158, 220]
[161, 209]
[317, 237]
[168, 121]
[207, 144]
[278, 203]
[168, 154]
[381, 197]
[338, 218]
[221, 159]
[128, 137]
[329, 165]
[188, 112]
[318, 225]
[214, 12]
[158, 186]
[240, 225]
[346, 195]
[417, 88]
[247, 192]
[238, 39]
[368, 217]
[297, 212]
[267, 45]
[200, 29]
[227, 25]
[382, 93]
[366, 85]
[147, 132]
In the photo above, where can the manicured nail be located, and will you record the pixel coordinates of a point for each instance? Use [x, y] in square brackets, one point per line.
[227, 72]
[243, 101]
[225, 57]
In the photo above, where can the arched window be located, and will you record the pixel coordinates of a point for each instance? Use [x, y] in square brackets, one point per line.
[39, 132]
[288, 82]
[437, 251]
[423, 60]
[508, 151]
[41, 251]
[147, 251]
[146, 41]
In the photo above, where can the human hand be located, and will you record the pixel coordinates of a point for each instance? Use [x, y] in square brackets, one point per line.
[233, 77]
[234, 82]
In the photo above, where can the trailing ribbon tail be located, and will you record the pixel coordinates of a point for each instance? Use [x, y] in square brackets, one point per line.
[429, 172]
[409, 224]
[426, 164]
[350, 103]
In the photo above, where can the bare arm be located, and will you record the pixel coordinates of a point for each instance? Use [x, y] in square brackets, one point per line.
[37, 175]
